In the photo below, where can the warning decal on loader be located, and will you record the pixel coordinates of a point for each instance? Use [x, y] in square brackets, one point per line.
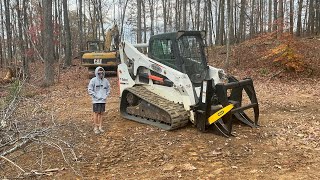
[216, 116]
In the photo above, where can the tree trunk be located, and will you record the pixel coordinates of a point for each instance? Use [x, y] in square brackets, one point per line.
[230, 21]
[226, 64]
[262, 3]
[252, 19]
[123, 16]
[25, 25]
[68, 53]
[270, 16]
[144, 23]
[291, 16]
[2, 54]
[204, 15]
[198, 14]
[48, 41]
[139, 35]
[221, 30]
[310, 30]
[21, 40]
[217, 12]
[8, 30]
[151, 4]
[235, 20]
[317, 17]
[242, 31]
[299, 27]
[280, 17]
[275, 15]
[184, 15]
[192, 16]
[101, 21]
[210, 23]
[164, 9]
[305, 21]
[177, 15]
[80, 27]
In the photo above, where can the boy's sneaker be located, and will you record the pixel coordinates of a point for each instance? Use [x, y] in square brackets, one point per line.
[96, 130]
[101, 130]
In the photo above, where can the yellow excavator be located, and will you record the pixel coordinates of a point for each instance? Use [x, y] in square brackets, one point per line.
[104, 54]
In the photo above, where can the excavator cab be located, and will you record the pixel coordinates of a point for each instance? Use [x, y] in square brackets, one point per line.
[94, 46]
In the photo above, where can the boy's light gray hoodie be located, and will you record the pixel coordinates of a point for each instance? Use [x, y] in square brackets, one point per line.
[99, 89]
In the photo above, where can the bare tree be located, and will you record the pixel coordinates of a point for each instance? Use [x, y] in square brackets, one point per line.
[275, 15]
[48, 41]
[2, 54]
[242, 27]
[230, 21]
[68, 53]
[144, 23]
[280, 17]
[252, 19]
[291, 16]
[310, 26]
[184, 15]
[210, 22]
[101, 20]
[139, 35]
[151, 4]
[261, 15]
[123, 16]
[317, 17]
[270, 16]
[164, 9]
[80, 26]
[299, 25]
[177, 15]
[8, 29]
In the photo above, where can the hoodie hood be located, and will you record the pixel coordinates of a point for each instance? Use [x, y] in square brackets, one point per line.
[97, 69]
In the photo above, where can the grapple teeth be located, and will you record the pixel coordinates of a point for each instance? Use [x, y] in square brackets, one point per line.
[222, 128]
[224, 124]
[241, 116]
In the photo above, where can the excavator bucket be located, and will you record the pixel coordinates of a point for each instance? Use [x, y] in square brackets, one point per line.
[223, 105]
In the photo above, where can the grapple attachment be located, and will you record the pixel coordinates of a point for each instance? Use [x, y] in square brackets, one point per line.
[219, 105]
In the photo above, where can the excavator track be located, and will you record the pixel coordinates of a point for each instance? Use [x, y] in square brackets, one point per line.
[141, 105]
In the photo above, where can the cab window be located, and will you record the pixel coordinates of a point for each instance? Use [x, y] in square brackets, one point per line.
[162, 52]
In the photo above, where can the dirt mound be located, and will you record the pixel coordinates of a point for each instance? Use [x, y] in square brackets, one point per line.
[267, 58]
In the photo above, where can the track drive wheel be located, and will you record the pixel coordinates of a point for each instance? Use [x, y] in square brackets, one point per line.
[132, 99]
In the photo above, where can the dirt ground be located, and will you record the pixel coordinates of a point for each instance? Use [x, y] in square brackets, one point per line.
[285, 146]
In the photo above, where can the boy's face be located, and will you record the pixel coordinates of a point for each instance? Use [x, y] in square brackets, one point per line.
[100, 73]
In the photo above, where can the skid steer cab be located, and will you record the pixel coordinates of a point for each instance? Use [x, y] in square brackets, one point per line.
[174, 85]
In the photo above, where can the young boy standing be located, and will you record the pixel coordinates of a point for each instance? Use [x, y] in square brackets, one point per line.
[99, 90]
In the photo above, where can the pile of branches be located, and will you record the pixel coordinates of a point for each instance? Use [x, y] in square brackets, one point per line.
[21, 131]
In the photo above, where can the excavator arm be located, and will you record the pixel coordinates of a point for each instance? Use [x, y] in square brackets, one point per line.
[112, 39]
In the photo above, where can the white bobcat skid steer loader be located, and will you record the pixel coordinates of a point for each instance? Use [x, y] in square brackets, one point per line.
[174, 84]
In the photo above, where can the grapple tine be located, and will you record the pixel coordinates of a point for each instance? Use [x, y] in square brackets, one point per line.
[241, 116]
[210, 108]
[222, 128]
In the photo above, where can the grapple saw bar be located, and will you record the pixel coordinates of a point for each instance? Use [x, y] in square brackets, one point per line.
[217, 108]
